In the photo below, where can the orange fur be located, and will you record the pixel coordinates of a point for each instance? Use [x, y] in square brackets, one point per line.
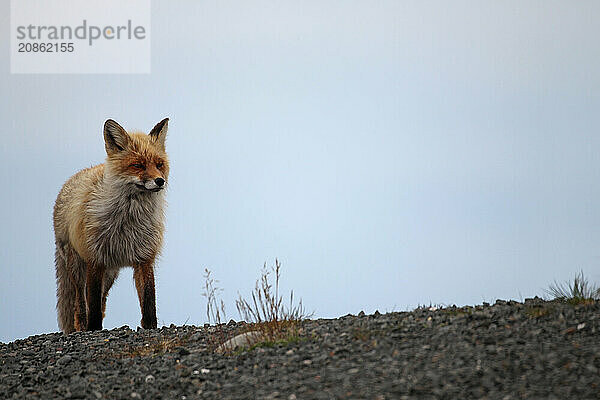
[108, 217]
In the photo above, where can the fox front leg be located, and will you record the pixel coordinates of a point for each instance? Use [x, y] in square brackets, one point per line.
[144, 283]
[94, 278]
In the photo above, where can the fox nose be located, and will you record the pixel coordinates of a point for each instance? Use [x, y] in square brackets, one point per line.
[159, 182]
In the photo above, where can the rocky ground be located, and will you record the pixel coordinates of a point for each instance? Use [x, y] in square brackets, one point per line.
[508, 350]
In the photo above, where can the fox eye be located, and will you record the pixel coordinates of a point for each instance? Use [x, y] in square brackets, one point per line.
[159, 165]
[136, 165]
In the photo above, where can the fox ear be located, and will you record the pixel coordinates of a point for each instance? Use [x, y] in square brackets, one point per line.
[115, 137]
[159, 132]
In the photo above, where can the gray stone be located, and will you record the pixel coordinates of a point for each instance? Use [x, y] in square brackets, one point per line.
[246, 339]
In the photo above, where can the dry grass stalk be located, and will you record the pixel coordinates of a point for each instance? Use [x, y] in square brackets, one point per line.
[215, 310]
[580, 291]
[269, 320]
[266, 312]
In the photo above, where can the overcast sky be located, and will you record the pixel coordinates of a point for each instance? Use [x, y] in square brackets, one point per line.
[390, 154]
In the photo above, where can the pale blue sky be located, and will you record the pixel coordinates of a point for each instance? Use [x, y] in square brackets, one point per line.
[390, 154]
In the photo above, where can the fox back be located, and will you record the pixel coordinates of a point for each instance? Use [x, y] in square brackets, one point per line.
[107, 217]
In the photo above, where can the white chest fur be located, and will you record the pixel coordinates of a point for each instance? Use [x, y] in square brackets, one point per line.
[128, 226]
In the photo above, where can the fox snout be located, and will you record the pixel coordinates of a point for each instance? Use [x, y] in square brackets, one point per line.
[154, 185]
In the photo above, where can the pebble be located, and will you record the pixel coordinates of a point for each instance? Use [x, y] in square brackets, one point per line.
[64, 360]
[183, 351]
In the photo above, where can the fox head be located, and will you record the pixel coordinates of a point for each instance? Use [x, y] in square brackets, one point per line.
[136, 159]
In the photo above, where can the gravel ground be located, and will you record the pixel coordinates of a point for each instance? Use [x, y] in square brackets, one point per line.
[508, 350]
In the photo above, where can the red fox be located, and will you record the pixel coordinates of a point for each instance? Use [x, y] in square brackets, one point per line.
[108, 217]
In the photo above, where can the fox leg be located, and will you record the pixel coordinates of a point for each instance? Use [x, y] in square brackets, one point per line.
[80, 311]
[144, 283]
[78, 273]
[94, 283]
[109, 279]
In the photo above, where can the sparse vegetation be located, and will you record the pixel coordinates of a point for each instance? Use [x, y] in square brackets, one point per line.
[265, 313]
[154, 347]
[270, 322]
[266, 343]
[539, 311]
[215, 310]
[579, 291]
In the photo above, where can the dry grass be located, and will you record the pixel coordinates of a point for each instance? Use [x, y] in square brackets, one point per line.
[580, 291]
[215, 310]
[154, 347]
[264, 313]
[539, 311]
[266, 343]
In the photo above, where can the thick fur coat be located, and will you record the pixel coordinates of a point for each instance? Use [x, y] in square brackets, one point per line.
[108, 217]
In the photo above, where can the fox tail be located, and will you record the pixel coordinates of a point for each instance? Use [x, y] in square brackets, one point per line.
[70, 273]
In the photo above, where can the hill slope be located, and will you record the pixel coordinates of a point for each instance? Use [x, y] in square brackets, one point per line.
[508, 350]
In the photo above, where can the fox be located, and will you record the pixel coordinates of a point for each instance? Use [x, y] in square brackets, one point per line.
[108, 217]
